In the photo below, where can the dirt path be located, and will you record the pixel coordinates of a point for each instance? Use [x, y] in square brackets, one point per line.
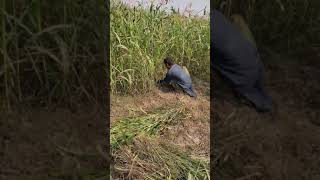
[279, 147]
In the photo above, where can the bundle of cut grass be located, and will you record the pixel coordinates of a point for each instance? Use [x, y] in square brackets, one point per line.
[150, 158]
[124, 130]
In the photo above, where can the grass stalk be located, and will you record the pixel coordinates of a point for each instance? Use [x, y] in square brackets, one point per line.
[5, 54]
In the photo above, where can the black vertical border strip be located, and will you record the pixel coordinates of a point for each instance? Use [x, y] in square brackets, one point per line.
[213, 127]
[211, 94]
[106, 46]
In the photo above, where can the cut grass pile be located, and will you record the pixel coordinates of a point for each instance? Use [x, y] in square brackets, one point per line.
[156, 158]
[139, 151]
[124, 130]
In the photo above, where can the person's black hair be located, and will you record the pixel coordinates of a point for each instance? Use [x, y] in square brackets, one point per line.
[168, 61]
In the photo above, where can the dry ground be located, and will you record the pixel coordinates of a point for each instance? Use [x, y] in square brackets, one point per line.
[190, 135]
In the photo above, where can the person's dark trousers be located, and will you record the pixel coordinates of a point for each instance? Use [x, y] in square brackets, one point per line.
[167, 87]
[189, 92]
[177, 88]
[223, 85]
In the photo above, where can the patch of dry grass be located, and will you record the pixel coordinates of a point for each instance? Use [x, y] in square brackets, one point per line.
[158, 140]
[150, 158]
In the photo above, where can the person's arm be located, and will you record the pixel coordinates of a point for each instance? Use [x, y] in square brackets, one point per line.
[167, 79]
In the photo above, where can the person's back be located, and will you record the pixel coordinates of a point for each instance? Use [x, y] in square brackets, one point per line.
[237, 60]
[180, 76]
[235, 50]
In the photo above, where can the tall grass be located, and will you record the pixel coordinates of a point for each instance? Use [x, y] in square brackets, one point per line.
[4, 58]
[286, 25]
[52, 51]
[141, 38]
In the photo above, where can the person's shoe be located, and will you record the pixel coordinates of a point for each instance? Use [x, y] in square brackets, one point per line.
[193, 97]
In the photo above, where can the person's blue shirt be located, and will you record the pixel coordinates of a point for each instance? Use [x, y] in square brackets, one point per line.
[177, 74]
